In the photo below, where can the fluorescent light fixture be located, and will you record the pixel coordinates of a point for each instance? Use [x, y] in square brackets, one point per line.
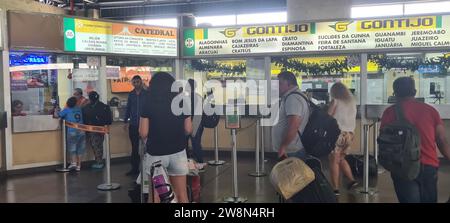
[376, 11]
[225, 20]
[139, 21]
[169, 22]
[427, 8]
[262, 18]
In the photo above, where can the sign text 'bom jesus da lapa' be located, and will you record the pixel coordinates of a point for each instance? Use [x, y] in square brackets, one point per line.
[393, 33]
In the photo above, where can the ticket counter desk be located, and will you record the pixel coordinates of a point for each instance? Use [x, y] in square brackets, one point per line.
[37, 141]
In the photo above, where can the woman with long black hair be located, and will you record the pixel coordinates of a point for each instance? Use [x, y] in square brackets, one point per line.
[165, 133]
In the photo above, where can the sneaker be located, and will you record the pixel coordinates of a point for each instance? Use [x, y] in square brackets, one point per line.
[78, 168]
[336, 192]
[72, 166]
[352, 185]
[97, 166]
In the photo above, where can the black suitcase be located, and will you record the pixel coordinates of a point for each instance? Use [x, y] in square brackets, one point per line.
[318, 191]
[356, 163]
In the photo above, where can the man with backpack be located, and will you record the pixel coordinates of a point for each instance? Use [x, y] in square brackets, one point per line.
[99, 114]
[293, 117]
[413, 124]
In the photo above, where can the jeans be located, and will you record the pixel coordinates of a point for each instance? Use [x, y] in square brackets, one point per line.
[423, 189]
[133, 133]
[76, 143]
[197, 145]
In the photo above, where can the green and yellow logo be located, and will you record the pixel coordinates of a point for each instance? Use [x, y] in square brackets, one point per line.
[341, 26]
[229, 32]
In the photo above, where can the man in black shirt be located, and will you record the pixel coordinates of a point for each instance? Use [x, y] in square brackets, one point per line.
[99, 114]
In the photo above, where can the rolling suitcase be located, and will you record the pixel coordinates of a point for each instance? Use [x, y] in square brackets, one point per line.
[319, 190]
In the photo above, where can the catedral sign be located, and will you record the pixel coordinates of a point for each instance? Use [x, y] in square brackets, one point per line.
[105, 37]
[396, 33]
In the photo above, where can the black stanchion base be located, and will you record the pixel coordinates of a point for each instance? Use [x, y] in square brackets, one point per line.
[62, 170]
[112, 186]
[235, 200]
[216, 162]
[257, 174]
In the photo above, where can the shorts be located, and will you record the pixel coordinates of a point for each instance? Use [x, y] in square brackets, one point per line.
[76, 143]
[344, 142]
[176, 164]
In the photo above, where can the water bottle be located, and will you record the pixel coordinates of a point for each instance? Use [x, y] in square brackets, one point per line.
[161, 183]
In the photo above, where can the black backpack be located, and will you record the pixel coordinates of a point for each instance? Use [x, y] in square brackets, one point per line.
[210, 121]
[399, 147]
[321, 132]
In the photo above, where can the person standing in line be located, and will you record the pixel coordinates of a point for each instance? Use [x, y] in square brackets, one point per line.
[196, 136]
[81, 100]
[165, 134]
[76, 139]
[98, 114]
[132, 115]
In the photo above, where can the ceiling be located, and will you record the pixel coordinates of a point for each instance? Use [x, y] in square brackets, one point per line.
[139, 9]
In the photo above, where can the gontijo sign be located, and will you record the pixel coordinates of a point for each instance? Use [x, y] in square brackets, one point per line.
[393, 33]
[104, 37]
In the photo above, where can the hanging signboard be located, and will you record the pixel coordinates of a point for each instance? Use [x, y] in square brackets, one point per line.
[369, 34]
[1, 35]
[123, 84]
[83, 74]
[104, 37]
[112, 72]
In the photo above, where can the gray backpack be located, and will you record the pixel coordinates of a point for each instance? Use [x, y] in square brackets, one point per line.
[399, 147]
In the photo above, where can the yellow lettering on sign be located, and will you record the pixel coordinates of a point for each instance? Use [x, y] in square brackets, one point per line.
[88, 26]
[276, 30]
[413, 23]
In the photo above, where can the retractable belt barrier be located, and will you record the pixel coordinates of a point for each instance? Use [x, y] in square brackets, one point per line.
[88, 128]
[98, 129]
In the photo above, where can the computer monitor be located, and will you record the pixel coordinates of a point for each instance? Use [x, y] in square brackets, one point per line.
[320, 94]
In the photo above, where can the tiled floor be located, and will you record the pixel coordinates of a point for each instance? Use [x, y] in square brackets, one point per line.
[216, 183]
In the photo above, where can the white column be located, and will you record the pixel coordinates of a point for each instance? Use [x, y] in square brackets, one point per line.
[103, 83]
[6, 93]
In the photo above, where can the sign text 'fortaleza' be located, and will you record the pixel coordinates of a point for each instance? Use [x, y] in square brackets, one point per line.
[370, 34]
[105, 37]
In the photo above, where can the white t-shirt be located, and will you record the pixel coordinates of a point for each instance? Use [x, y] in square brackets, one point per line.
[345, 115]
[292, 105]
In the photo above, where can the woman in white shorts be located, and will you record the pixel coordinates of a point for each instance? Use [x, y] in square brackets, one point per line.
[343, 109]
[165, 133]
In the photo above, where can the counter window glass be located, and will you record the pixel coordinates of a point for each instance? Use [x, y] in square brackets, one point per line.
[40, 82]
[318, 74]
[232, 74]
[431, 78]
[120, 71]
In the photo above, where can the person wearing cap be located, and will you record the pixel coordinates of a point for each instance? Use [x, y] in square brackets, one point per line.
[98, 114]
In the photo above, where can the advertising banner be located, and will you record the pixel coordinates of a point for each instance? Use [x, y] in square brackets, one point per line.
[104, 37]
[123, 84]
[365, 34]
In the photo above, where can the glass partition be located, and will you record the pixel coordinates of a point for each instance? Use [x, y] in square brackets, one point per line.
[427, 69]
